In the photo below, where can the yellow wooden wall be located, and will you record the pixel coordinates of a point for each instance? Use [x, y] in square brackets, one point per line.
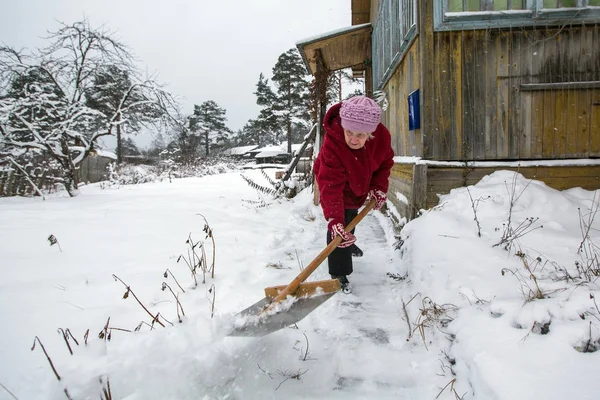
[404, 80]
[442, 179]
[477, 108]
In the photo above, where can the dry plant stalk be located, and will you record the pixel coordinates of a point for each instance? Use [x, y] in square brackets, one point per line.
[165, 285]
[510, 234]
[588, 250]
[474, 206]
[304, 354]
[432, 315]
[212, 290]
[289, 375]
[534, 293]
[538, 292]
[106, 393]
[8, 391]
[154, 318]
[166, 275]
[452, 390]
[51, 364]
[192, 260]
[54, 241]
[410, 330]
[66, 334]
[209, 234]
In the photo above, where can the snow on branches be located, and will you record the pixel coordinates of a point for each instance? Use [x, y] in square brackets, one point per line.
[59, 102]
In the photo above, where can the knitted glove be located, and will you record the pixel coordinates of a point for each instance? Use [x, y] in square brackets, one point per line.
[379, 197]
[337, 229]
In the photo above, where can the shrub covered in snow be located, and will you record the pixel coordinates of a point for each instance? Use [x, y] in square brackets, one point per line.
[129, 174]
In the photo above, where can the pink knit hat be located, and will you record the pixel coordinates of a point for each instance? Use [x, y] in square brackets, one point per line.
[360, 114]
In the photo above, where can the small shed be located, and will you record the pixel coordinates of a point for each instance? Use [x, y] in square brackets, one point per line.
[240, 152]
[270, 154]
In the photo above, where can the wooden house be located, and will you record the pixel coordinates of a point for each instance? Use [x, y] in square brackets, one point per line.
[474, 86]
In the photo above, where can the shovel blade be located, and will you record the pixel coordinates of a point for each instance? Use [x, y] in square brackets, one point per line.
[270, 323]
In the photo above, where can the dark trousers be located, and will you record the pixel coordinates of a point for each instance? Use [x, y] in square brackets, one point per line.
[340, 260]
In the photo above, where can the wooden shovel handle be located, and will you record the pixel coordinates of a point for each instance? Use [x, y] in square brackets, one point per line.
[306, 272]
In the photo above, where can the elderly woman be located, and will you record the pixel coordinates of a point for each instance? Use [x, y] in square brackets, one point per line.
[353, 164]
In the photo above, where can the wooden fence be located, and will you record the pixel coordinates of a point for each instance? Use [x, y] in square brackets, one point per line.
[16, 183]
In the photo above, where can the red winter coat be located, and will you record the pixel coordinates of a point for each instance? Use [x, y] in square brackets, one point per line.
[345, 176]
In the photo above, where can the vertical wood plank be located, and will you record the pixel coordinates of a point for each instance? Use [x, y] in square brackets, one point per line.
[561, 99]
[419, 190]
[442, 85]
[414, 61]
[525, 116]
[456, 93]
[537, 98]
[412, 83]
[480, 76]
[502, 90]
[550, 55]
[595, 124]
[426, 47]
[514, 104]
[490, 95]
[572, 58]
[585, 96]
[468, 78]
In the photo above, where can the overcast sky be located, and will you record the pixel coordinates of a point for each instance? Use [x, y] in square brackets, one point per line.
[203, 50]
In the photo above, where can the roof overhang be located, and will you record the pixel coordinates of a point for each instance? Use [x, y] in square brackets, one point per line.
[343, 48]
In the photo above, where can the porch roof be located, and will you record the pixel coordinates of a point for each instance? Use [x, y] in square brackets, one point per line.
[342, 48]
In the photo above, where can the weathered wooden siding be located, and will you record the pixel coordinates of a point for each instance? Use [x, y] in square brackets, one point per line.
[400, 189]
[404, 80]
[481, 106]
[441, 179]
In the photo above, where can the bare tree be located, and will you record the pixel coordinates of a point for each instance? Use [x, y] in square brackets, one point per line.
[44, 107]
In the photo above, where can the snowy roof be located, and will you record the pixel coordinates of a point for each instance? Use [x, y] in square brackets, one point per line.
[270, 153]
[238, 151]
[336, 32]
[279, 148]
[297, 147]
[105, 153]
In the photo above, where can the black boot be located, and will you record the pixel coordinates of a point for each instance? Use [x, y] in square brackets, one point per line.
[344, 282]
[356, 251]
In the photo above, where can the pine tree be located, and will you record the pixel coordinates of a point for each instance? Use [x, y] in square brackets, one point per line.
[293, 100]
[208, 123]
[113, 93]
[267, 120]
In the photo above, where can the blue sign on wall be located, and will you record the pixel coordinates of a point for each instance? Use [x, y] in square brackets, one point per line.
[414, 111]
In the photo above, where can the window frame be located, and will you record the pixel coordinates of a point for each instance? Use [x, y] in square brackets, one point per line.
[389, 47]
[535, 14]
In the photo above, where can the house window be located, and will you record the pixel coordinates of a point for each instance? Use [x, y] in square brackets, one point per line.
[478, 5]
[395, 28]
[482, 14]
[502, 5]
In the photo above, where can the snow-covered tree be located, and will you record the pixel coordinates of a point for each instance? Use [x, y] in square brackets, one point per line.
[113, 93]
[208, 123]
[293, 98]
[267, 121]
[44, 106]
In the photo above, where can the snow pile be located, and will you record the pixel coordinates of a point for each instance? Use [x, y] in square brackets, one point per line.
[516, 305]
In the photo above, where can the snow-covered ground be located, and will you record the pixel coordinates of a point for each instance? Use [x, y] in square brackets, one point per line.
[441, 313]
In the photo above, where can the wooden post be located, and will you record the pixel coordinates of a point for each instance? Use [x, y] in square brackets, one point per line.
[321, 75]
[418, 199]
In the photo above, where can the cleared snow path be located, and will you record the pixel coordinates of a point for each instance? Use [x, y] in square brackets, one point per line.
[357, 343]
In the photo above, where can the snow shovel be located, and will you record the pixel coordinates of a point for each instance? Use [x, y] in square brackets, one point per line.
[285, 305]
